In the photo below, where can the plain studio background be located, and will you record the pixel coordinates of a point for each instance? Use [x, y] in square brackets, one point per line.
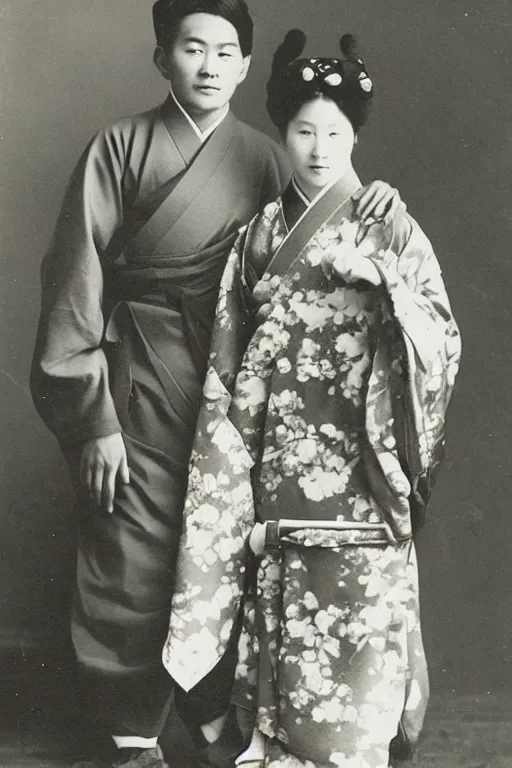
[441, 131]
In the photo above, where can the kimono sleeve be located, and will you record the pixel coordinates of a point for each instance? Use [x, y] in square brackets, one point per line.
[412, 277]
[218, 511]
[69, 376]
[232, 325]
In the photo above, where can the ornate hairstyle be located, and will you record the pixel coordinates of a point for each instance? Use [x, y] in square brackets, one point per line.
[167, 15]
[294, 81]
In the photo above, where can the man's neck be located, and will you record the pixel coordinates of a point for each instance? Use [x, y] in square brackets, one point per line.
[205, 123]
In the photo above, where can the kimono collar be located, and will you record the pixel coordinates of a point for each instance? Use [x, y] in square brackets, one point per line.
[349, 183]
[295, 185]
[202, 135]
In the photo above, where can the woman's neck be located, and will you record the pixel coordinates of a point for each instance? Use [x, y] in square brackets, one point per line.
[348, 182]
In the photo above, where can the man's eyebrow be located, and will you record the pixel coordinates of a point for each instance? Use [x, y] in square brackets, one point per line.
[203, 42]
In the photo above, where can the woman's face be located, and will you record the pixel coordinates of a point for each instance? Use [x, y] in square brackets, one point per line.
[319, 141]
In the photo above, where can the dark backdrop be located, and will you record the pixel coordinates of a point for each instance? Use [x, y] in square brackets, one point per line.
[441, 131]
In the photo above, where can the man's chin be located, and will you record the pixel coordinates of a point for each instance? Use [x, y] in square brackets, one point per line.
[205, 105]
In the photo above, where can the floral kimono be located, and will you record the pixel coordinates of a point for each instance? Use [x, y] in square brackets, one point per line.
[331, 412]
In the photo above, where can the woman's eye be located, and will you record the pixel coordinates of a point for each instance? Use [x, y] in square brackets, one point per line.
[334, 133]
[305, 133]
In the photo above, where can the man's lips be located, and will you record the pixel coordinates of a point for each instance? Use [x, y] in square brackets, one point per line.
[206, 88]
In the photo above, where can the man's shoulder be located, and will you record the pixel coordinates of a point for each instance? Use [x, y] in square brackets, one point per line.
[124, 138]
[139, 122]
[261, 142]
[264, 159]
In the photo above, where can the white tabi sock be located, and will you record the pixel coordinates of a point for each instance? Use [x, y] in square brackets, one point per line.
[124, 742]
[255, 751]
[211, 731]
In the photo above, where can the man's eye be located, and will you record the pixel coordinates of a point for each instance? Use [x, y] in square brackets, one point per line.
[303, 132]
[225, 55]
[194, 50]
[334, 133]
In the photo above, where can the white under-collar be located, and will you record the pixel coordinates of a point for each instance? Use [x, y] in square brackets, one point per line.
[300, 193]
[320, 194]
[202, 135]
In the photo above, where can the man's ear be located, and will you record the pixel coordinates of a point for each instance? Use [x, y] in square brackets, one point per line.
[160, 62]
[355, 139]
[245, 68]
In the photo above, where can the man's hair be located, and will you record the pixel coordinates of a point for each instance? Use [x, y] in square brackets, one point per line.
[168, 15]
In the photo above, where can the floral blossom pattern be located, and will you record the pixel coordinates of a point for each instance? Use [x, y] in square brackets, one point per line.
[333, 670]
[332, 409]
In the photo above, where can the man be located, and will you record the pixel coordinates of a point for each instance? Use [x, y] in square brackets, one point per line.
[129, 290]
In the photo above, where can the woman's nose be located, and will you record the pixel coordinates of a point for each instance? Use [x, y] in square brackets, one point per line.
[319, 149]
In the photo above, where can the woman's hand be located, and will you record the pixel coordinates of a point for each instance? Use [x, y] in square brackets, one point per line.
[344, 261]
[378, 201]
[257, 539]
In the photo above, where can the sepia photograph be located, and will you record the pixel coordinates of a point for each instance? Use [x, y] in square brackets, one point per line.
[255, 433]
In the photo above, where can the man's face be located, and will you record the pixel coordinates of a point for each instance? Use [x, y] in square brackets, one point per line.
[204, 63]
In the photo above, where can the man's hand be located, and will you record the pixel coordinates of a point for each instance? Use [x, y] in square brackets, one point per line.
[104, 462]
[378, 201]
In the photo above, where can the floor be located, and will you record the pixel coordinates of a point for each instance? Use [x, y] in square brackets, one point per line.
[39, 726]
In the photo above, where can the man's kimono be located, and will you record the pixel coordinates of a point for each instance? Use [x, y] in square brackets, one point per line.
[130, 284]
[331, 413]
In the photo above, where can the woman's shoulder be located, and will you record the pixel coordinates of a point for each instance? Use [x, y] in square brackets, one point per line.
[266, 219]
[391, 234]
[259, 236]
[262, 228]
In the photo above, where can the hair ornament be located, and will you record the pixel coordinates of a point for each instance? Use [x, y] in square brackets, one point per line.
[290, 49]
[295, 80]
[366, 84]
[348, 46]
[334, 79]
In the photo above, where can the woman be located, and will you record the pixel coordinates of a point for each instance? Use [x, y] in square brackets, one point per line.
[320, 432]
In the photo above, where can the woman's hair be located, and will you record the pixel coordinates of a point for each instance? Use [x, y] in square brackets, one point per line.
[168, 15]
[294, 81]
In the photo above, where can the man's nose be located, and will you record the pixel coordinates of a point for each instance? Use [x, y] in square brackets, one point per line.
[209, 66]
